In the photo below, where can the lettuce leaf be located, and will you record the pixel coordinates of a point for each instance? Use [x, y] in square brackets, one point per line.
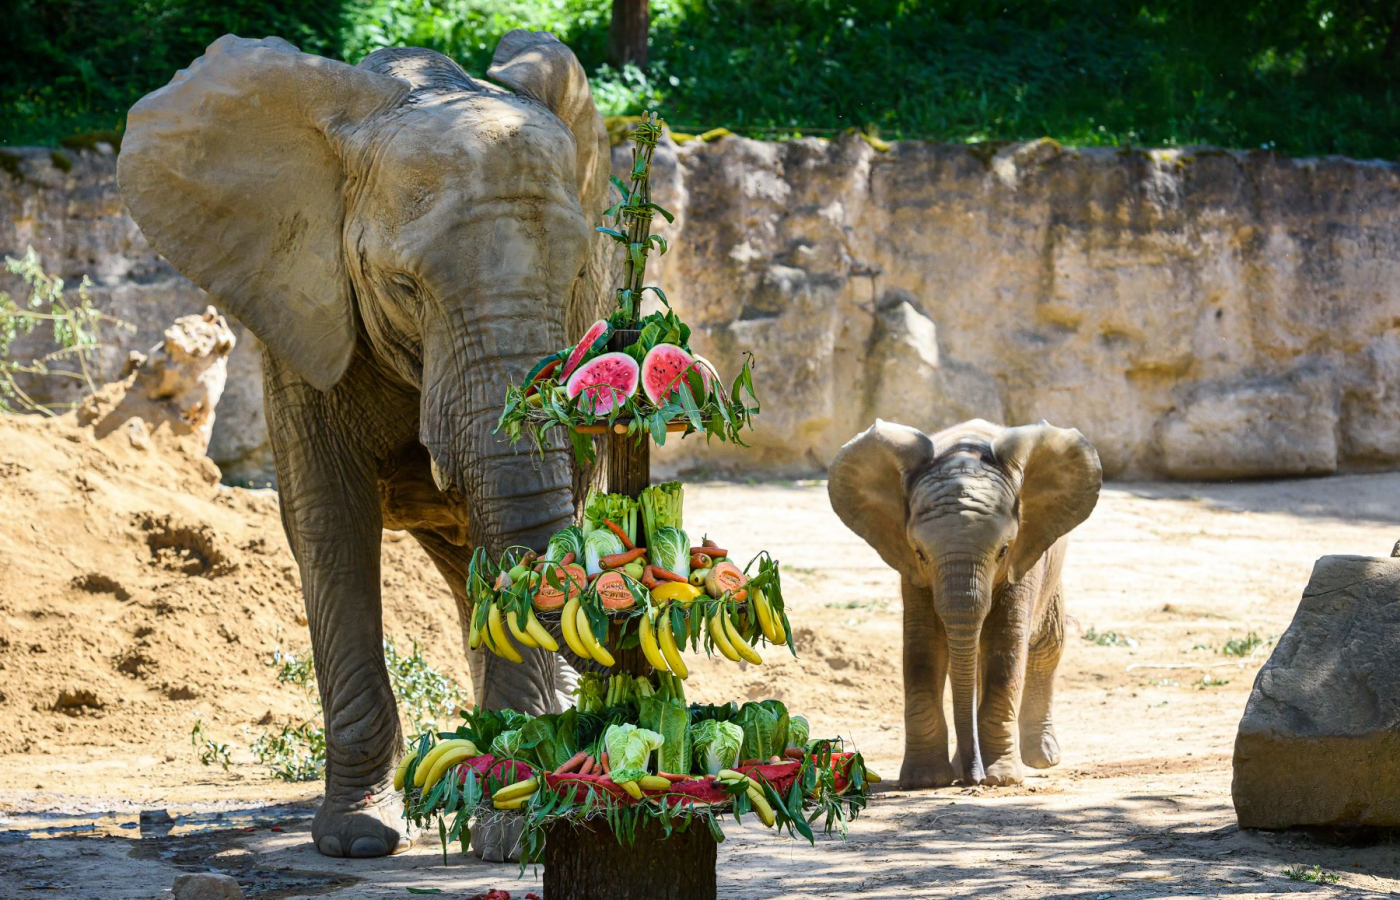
[671, 721]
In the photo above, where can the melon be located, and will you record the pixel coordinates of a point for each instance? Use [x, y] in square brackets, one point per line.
[604, 381]
[663, 370]
[595, 338]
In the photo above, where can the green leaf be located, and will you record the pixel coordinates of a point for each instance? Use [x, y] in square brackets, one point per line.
[413, 890]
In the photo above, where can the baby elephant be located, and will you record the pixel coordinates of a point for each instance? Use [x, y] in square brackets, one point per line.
[973, 518]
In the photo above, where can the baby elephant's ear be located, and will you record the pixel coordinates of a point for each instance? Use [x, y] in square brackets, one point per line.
[1059, 475]
[233, 171]
[866, 485]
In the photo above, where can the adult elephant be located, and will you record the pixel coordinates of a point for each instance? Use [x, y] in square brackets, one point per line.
[973, 519]
[405, 241]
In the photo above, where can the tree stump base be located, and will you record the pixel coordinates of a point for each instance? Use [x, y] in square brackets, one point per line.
[585, 862]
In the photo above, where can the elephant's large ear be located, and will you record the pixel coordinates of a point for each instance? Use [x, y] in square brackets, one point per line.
[536, 64]
[867, 485]
[1059, 475]
[232, 170]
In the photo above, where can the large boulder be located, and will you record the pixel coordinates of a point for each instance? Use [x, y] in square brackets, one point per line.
[1319, 744]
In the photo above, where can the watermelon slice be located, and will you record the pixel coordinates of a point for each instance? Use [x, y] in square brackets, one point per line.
[595, 338]
[604, 381]
[542, 370]
[663, 370]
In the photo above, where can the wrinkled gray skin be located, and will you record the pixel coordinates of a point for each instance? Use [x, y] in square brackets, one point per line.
[973, 519]
[405, 241]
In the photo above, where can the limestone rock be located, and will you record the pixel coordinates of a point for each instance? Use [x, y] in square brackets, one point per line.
[1267, 426]
[174, 387]
[207, 886]
[1153, 299]
[1319, 743]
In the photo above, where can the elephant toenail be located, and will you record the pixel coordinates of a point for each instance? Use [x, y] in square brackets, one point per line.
[365, 847]
[330, 846]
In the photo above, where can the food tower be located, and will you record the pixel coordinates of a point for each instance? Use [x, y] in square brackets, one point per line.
[622, 795]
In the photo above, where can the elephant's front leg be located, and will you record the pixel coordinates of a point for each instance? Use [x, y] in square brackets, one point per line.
[1003, 659]
[925, 671]
[330, 509]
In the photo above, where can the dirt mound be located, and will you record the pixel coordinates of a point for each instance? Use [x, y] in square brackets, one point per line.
[137, 593]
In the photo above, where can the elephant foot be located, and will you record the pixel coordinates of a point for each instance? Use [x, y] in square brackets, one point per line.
[498, 841]
[1040, 751]
[918, 775]
[362, 828]
[1003, 772]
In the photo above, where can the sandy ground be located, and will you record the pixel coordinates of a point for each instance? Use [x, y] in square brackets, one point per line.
[1140, 806]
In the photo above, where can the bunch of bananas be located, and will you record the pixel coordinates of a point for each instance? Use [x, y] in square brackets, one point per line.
[755, 793]
[441, 757]
[578, 633]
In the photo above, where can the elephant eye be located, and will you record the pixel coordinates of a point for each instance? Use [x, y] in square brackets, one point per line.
[1001, 554]
[923, 558]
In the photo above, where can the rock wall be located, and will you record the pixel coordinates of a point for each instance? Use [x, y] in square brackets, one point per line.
[1197, 313]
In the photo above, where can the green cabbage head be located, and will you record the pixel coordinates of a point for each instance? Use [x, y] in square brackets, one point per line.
[716, 745]
[629, 750]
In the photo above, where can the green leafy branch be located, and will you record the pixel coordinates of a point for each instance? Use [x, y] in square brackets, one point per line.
[76, 328]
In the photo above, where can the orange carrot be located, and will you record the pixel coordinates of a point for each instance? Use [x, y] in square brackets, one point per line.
[574, 762]
[607, 770]
[618, 560]
[665, 575]
[587, 767]
[617, 530]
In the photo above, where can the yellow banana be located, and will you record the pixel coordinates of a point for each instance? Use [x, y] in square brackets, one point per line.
[765, 615]
[646, 636]
[717, 634]
[585, 634]
[402, 770]
[654, 783]
[568, 621]
[536, 630]
[447, 761]
[474, 633]
[872, 776]
[520, 634]
[433, 755]
[518, 789]
[779, 632]
[499, 642]
[631, 788]
[670, 652]
[736, 640]
[511, 804]
[760, 804]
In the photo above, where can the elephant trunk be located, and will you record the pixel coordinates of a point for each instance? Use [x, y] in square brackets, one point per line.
[515, 496]
[961, 603]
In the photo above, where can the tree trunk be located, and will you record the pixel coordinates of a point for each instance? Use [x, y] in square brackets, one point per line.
[585, 862]
[627, 34]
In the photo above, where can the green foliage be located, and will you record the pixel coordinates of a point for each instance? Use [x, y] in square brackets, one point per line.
[1316, 875]
[426, 698]
[76, 325]
[295, 753]
[1108, 638]
[1245, 646]
[207, 749]
[1298, 76]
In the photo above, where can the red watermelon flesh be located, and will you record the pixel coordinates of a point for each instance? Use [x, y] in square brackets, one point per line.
[663, 370]
[604, 381]
[595, 334]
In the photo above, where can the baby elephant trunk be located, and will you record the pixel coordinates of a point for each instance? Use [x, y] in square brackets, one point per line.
[964, 592]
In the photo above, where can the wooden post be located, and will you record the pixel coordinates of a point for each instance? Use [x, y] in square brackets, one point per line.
[584, 861]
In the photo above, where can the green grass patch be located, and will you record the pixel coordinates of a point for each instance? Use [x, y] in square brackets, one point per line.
[1316, 875]
[1108, 638]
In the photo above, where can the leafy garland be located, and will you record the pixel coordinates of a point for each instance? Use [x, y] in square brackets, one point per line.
[457, 799]
[700, 402]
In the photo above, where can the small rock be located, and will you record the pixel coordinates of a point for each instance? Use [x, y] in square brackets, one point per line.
[207, 886]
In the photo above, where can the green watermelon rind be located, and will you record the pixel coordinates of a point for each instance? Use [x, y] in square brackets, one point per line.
[594, 339]
[585, 376]
[665, 380]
